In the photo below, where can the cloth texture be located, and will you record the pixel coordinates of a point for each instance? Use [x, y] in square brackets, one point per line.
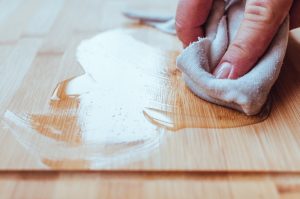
[247, 94]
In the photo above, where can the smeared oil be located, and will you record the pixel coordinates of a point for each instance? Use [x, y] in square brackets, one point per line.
[183, 109]
[96, 119]
[67, 164]
[117, 111]
[212, 116]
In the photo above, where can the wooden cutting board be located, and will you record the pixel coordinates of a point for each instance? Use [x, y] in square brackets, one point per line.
[61, 115]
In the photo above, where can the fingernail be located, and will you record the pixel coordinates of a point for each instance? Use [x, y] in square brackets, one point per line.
[223, 71]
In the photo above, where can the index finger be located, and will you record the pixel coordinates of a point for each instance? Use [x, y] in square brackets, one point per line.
[190, 16]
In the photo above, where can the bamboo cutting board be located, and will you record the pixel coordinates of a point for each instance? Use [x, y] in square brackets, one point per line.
[143, 185]
[55, 111]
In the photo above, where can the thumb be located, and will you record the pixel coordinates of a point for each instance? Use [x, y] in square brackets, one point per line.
[261, 21]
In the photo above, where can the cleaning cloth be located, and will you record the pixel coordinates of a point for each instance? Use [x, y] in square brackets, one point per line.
[250, 92]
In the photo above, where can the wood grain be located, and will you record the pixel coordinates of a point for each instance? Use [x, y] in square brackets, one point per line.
[268, 146]
[38, 41]
[148, 185]
[46, 55]
[144, 185]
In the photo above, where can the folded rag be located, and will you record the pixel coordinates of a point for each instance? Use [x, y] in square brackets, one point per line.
[250, 92]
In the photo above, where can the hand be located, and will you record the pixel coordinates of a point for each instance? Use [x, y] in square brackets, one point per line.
[261, 21]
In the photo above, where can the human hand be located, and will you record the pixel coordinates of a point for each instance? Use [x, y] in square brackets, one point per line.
[261, 21]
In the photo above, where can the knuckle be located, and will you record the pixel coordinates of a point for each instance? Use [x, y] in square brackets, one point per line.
[260, 12]
[239, 49]
[180, 29]
[179, 26]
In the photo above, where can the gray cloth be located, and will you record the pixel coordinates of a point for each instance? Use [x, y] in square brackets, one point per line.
[247, 94]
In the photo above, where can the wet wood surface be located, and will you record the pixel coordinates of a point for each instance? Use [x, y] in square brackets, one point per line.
[38, 42]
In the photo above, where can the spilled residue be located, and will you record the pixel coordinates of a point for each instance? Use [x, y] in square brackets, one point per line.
[117, 111]
[185, 110]
[97, 118]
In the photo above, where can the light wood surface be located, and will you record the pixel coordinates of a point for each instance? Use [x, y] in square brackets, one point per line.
[36, 59]
[148, 185]
[38, 42]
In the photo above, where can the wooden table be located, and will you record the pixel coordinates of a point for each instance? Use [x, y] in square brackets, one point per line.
[222, 154]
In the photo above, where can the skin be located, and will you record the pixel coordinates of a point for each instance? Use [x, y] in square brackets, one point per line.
[261, 21]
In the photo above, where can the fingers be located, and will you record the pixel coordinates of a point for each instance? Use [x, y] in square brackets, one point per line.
[295, 15]
[261, 21]
[190, 16]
